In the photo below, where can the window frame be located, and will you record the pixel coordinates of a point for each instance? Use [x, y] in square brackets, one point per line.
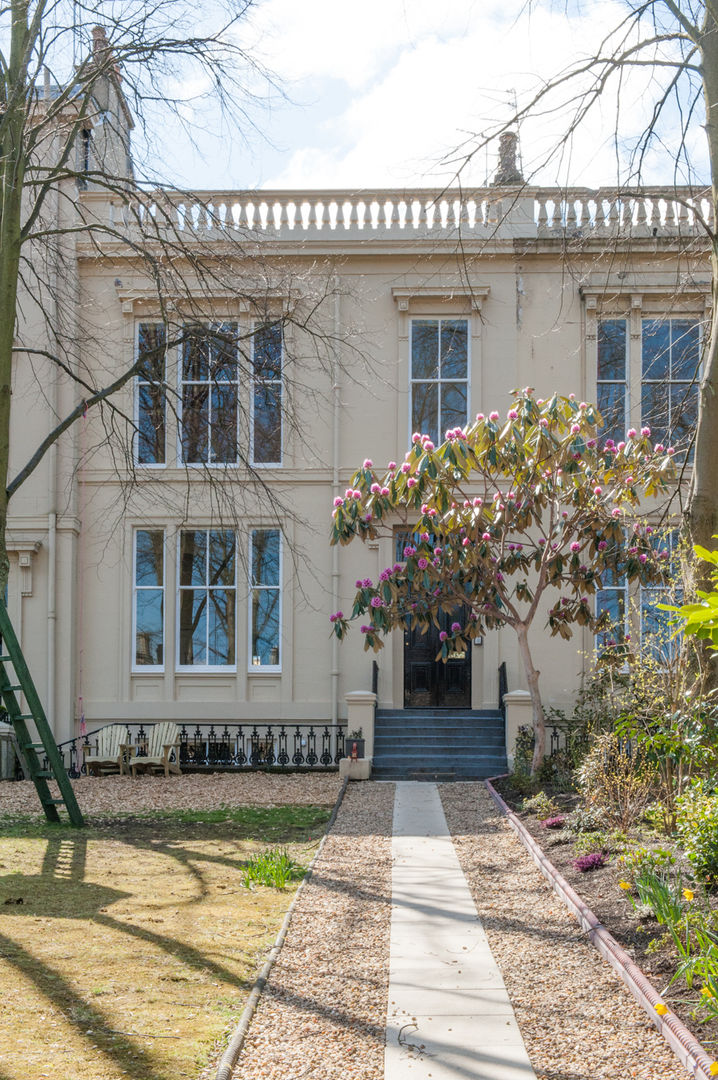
[182, 382]
[138, 382]
[203, 669]
[661, 594]
[694, 383]
[439, 319]
[264, 669]
[604, 317]
[148, 669]
[271, 382]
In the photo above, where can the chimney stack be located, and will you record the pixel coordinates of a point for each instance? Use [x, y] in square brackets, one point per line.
[508, 171]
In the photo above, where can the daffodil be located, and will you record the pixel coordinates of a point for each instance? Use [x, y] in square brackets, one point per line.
[714, 1069]
[688, 894]
[625, 885]
[706, 992]
[661, 1009]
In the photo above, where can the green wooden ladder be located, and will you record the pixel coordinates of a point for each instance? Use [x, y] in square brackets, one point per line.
[11, 654]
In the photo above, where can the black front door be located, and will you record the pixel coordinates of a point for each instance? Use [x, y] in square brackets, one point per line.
[429, 683]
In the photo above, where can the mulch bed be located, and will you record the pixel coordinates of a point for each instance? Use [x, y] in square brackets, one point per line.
[600, 890]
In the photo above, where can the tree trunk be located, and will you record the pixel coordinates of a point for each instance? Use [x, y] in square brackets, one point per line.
[703, 505]
[12, 177]
[532, 680]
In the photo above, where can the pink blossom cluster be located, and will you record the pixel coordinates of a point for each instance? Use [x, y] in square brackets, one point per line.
[336, 616]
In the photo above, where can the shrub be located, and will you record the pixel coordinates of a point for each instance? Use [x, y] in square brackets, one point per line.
[593, 861]
[698, 829]
[617, 778]
[642, 859]
[599, 841]
[542, 805]
[556, 822]
[587, 819]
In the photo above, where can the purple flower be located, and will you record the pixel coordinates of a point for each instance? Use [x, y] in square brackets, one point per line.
[365, 629]
[575, 428]
[512, 414]
[411, 482]
[385, 491]
[602, 545]
[359, 584]
[422, 564]
[366, 583]
[443, 635]
[409, 551]
[391, 466]
[575, 546]
[339, 501]
[455, 627]
[375, 489]
[631, 433]
[556, 822]
[368, 463]
[646, 431]
[337, 615]
[376, 601]
[594, 861]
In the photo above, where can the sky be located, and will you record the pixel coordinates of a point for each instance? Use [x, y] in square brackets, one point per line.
[393, 93]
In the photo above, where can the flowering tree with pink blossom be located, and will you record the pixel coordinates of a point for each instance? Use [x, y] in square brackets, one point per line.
[504, 512]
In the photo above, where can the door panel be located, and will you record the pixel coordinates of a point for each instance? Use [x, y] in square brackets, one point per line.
[429, 683]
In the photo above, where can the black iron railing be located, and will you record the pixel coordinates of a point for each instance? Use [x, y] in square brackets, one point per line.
[206, 747]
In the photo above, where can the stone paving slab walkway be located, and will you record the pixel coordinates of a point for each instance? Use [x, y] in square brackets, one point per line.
[449, 1015]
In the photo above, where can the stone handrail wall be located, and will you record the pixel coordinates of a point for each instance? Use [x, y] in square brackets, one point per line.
[483, 213]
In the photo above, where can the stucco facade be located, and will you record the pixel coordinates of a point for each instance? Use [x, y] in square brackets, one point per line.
[526, 275]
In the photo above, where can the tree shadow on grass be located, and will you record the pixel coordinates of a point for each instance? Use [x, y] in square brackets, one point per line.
[84, 1017]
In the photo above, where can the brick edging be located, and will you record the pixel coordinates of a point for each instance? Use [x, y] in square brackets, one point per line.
[681, 1041]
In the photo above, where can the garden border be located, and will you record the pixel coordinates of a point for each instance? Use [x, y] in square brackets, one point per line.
[234, 1047]
[680, 1040]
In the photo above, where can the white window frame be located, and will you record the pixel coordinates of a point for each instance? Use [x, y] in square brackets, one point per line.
[647, 316]
[151, 669]
[204, 669]
[253, 382]
[439, 319]
[263, 669]
[138, 381]
[181, 382]
[625, 319]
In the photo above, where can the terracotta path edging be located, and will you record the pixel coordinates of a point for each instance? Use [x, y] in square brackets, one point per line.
[229, 1058]
[681, 1041]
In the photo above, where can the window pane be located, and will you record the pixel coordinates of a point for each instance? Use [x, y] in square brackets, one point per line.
[267, 354]
[193, 557]
[224, 423]
[195, 420]
[151, 345]
[149, 623]
[654, 410]
[221, 558]
[454, 348]
[453, 405]
[613, 602]
[612, 407]
[193, 626]
[195, 354]
[265, 627]
[612, 349]
[686, 352]
[265, 557]
[149, 557]
[223, 352]
[424, 409]
[151, 424]
[425, 349]
[684, 414]
[221, 626]
[267, 421]
[656, 349]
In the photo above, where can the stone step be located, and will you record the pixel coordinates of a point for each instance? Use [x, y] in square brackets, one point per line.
[476, 742]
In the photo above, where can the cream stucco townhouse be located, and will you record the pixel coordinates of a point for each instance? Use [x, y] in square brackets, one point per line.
[170, 555]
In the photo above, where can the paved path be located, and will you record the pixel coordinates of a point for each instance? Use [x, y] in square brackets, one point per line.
[449, 1015]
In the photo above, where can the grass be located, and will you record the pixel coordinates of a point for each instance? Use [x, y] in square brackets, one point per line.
[273, 868]
[135, 943]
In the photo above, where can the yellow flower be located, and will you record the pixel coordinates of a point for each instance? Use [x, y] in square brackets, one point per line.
[707, 993]
[688, 894]
[661, 1009]
[714, 1069]
[625, 885]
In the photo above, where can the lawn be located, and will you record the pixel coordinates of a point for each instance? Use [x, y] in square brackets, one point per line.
[128, 948]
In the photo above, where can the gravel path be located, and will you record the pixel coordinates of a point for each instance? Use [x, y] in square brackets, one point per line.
[323, 1012]
[191, 791]
[576, 1019]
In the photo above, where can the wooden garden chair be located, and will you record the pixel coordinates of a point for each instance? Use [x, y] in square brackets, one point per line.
[111, 751]
[162, 741]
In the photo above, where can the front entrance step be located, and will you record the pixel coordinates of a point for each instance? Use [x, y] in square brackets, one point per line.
[438, 744]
